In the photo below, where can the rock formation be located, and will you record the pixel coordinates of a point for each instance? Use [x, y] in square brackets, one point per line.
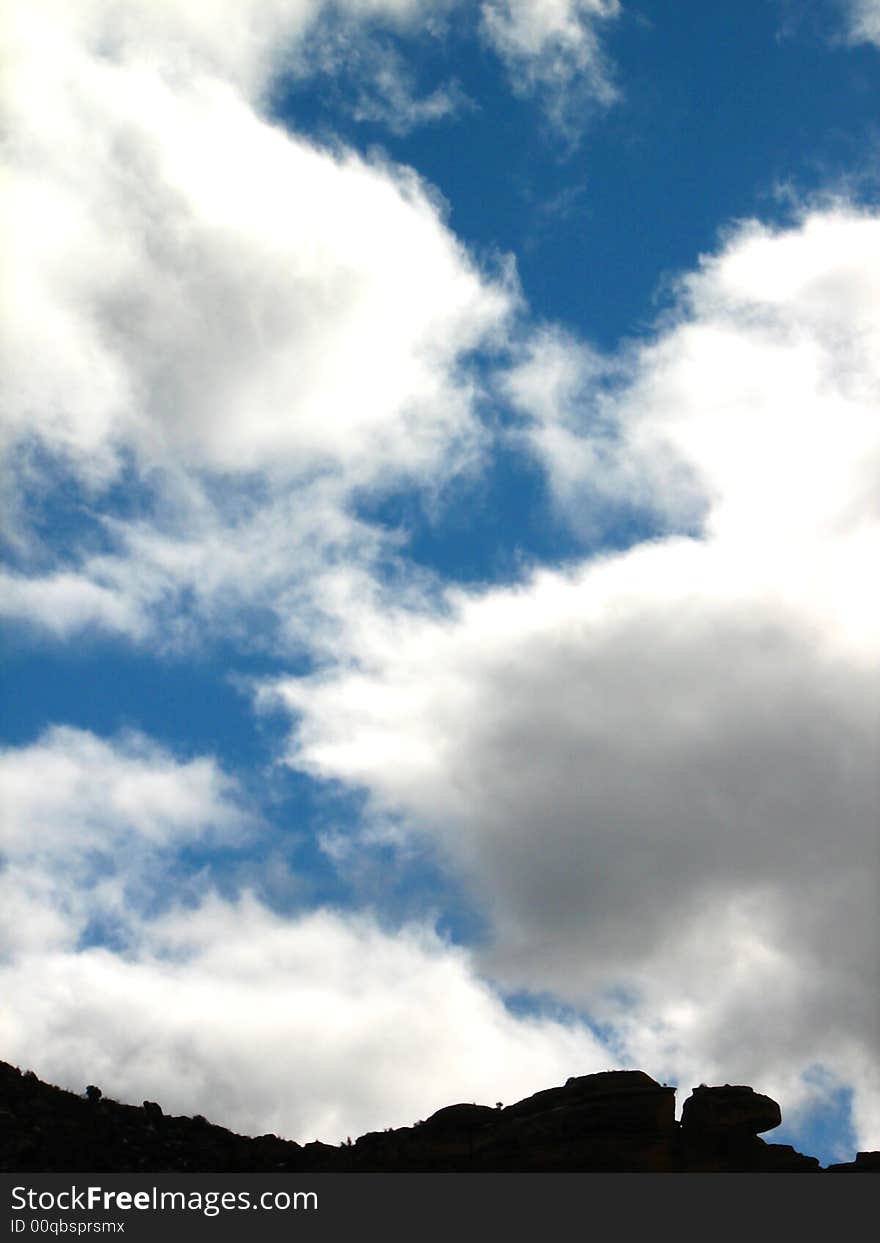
[620, 1120]
[729, 1109]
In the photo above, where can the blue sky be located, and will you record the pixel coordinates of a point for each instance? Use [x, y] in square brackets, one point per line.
[441, 451]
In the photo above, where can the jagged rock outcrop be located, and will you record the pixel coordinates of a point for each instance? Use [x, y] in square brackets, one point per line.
[616, 1120]
[865, 1163]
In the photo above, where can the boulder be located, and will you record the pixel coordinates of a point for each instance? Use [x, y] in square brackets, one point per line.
[731, 1108]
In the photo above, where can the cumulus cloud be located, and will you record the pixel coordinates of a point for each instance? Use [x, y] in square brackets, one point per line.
[264, 1021]
[315, 1027]
[218, 333]
[224, 293]
[724, 418]
[233, 328]
[244, 42]
[267, 1024]
[658, 768]
[208, 311]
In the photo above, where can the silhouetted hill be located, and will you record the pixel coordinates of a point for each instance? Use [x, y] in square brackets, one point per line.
[618, 1120]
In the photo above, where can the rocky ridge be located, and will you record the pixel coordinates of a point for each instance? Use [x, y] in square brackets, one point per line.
[619, 1120]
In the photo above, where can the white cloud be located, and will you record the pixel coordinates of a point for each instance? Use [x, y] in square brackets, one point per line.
[244, 42]
[315, 1027]
[217, 291]
[91, 829]
[596, 466]
[312, 1026]
[658, 768]
[263, 569]
[392, 100]
[864, 21]
[727, 412]
[62, 602]
[552, 47]
[236, 327]
[354, 67]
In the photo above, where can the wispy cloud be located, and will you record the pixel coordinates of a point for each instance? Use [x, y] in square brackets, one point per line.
[368, 76]
[553, 48]
[92, 829]
[394, 102]
[864, 21]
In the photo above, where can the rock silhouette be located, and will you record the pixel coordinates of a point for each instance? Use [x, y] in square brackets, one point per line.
[730, 1109]
[620, 1120]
